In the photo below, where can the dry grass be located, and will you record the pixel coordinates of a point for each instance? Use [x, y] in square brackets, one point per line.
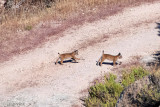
[18, 27]
[60, 10]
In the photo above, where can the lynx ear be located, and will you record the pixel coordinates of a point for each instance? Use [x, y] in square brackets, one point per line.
[76, 51]
[119, 54]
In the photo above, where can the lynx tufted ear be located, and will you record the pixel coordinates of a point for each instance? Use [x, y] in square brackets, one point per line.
[76, 51]
[120, 56]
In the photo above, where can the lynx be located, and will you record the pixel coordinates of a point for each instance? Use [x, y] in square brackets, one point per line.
[67, 55]
[109, 57]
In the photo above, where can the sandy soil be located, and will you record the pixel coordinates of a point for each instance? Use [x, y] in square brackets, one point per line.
[33, 80]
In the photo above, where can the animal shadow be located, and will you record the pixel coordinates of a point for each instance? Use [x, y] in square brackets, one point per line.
[108, 63]
[68, 61]
[105, 63]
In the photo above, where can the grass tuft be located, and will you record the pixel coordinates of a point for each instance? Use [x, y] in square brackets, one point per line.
[28, 27]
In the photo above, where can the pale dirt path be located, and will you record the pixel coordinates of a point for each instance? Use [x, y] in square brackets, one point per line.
[33, 79]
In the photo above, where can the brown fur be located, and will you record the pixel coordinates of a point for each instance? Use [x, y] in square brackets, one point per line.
[67, 55]
[109, 57]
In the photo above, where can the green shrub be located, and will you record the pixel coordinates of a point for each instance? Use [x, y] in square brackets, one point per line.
[149, 96]
[106, 94]
[137, 73]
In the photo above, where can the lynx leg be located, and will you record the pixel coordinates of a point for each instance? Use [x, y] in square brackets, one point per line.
[114, 62]
[62, 61]
[102, 61]
[57, 61]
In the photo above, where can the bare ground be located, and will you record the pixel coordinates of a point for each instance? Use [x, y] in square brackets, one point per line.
[32, 79]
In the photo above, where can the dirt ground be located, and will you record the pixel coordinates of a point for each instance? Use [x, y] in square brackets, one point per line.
[33, 80]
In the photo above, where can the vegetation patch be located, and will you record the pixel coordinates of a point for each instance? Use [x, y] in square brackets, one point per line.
[143, 93]
[28, 27]
[106, 94]
[149, 96]
[137, 73]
